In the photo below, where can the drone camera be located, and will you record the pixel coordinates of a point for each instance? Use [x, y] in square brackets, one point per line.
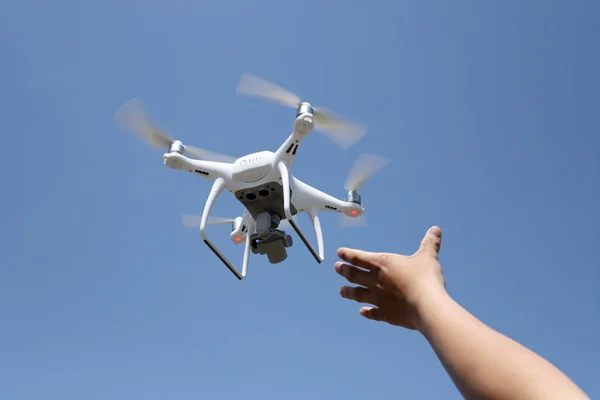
[268, 239]
[274, 245]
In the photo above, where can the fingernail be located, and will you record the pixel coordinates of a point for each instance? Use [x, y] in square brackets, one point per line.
[435, 231]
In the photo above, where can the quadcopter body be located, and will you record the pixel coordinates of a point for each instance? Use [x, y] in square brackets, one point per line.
[263, 182]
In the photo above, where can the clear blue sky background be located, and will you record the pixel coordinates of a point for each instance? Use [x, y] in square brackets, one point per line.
[488, 111]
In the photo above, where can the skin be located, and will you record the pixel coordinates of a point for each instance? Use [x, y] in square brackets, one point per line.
[410, 292]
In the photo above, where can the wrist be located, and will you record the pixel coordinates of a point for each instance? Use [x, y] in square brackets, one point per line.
[427, 306]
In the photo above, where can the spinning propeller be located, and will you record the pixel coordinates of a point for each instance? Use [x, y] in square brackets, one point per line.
[341, 130]
[193, 221]
[362, 170]
[133, 118]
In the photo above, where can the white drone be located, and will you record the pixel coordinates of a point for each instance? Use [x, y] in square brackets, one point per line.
[262, 181]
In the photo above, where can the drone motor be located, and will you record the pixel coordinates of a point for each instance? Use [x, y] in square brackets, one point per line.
[236, 224]
[177, 147]
[238, 231]
[304, 108]
[304, 119]
[353, 197]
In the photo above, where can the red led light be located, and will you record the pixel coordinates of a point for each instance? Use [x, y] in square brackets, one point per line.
[353, 213]
[238, 239]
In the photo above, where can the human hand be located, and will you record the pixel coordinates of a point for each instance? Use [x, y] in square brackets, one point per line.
[395, 284]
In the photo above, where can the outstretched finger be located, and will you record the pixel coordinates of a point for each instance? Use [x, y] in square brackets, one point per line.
[373, 313]
[356, 275]
[359, 294]
[361, 258]
[432, 241]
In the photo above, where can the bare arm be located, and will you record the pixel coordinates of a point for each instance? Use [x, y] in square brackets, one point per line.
[484, 363]
[409, 291]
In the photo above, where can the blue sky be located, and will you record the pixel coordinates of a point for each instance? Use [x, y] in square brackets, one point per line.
[487, 110]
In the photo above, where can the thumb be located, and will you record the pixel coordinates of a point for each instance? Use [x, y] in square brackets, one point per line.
[432, 241]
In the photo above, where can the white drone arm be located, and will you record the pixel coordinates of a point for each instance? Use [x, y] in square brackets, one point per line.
[287, 150]
[285, 179]
[217, 188]
[310, 197]
[210, 170]
[303, 125]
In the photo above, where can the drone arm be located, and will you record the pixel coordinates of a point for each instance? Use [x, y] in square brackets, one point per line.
[303, 125]
[287, 151]
[320, 201]
[217, 188]
[210, 170]
[286, 147]
[285, 179]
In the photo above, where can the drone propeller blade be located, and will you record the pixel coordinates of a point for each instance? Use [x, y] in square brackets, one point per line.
[203, 154]
[342, 131]
[349, 222]
[133, 118]
[251, 85]
[364, 167]
[219, 221]
[193, 221]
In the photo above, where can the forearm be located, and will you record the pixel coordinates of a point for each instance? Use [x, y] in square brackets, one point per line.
[484, 363]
